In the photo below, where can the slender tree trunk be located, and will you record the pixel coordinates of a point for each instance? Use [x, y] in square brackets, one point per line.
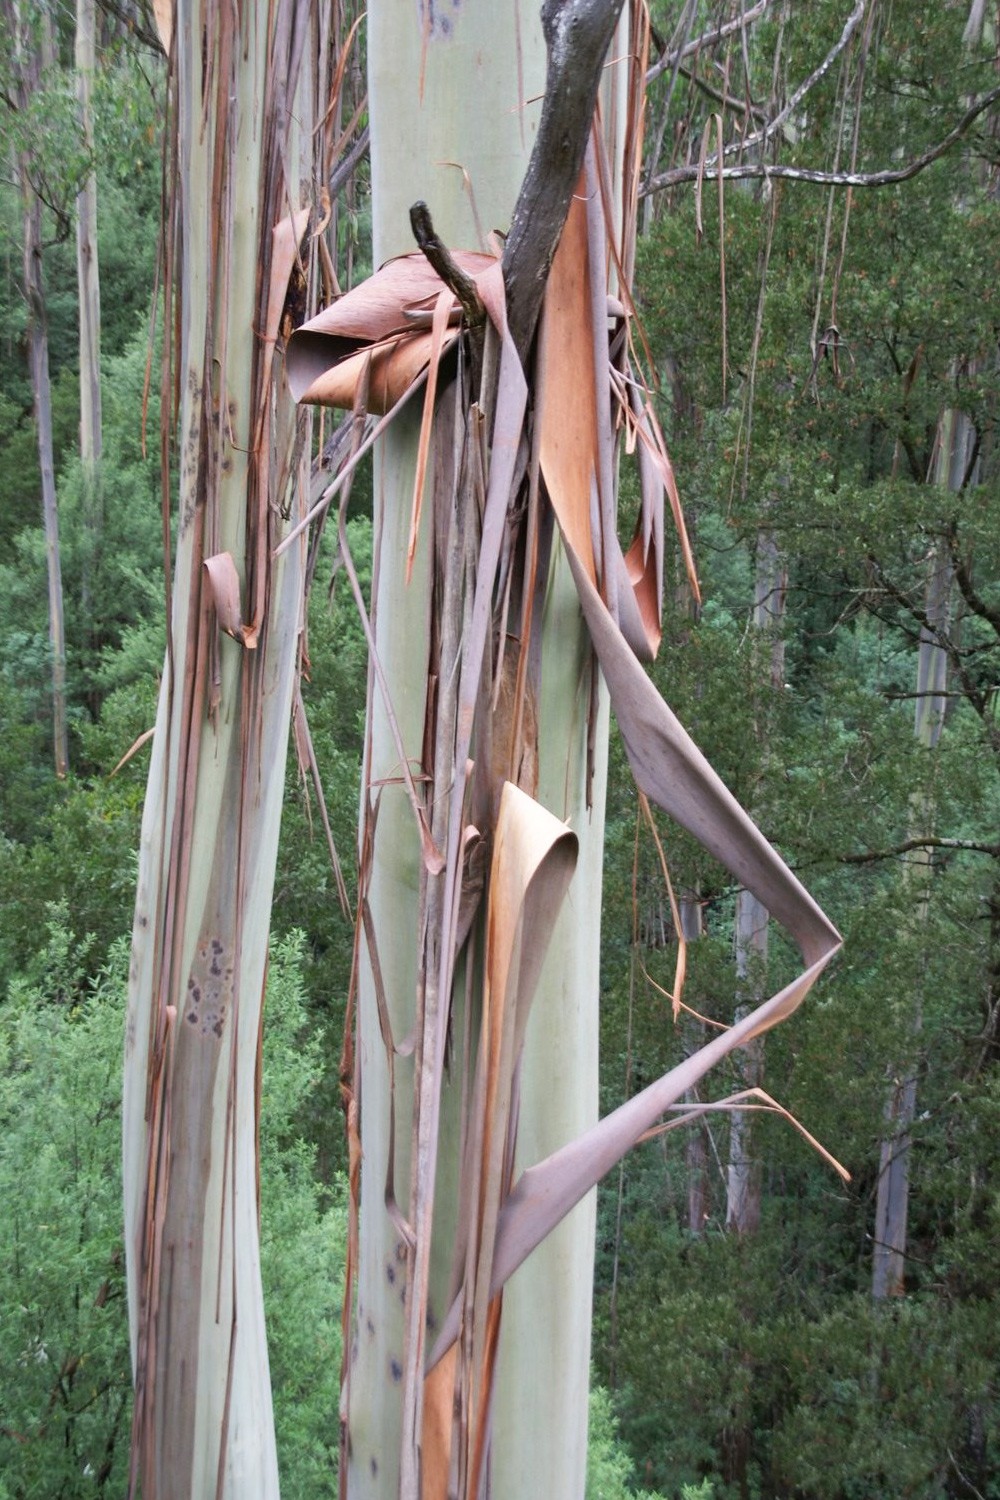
[951, 460]
[41, 388]
[88, 295]
[743, 1174]
[238, 234]
[33, 50]
[743, 1194]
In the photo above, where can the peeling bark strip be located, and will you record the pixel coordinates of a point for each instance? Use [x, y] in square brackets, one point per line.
[491, 863]
[240, 167]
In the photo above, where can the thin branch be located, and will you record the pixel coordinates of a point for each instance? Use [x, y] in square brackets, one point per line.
[440, 258]
[820, 71]
[347, 164]
[678, 175]
[706, 40]
[908, 846]
[973, 599]
[727, 101]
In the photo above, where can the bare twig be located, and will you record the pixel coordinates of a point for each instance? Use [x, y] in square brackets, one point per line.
[727, 101]
[347, 164]
[820, 71]
[705, 40]
[909, 846]
[440, 257]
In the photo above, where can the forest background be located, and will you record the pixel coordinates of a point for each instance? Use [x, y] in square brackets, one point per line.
[828, 364]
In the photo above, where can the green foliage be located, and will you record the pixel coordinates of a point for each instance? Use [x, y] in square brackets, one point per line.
[65, 1385]
[609, 1466]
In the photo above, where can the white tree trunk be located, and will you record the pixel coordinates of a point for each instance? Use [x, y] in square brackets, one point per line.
[87, 265]
[478, 69]
[951, 461]
[203, 1416]
[33, 52]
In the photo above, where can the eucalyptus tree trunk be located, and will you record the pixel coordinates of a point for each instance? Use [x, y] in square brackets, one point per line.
[452, 123]
[951, 469]
[33, 53]
[88, 283]
[238, 242]
[696, 1165]
[41, 389]
[743, 1185]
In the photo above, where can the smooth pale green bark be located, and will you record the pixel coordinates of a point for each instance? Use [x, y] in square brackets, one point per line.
[540, 1431]
[471, 115]
[210, 833]
[544, 1364]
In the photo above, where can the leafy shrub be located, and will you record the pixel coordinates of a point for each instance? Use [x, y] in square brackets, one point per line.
[65, 1387]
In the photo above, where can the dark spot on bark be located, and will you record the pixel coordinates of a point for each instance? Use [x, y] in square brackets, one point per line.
[374, 1466]
[371, 1328]
[390, 1275]
[192, 1016]
[397, 1370]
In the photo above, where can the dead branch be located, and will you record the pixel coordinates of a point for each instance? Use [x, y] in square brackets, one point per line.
[347, 164]
[820, 71]
[440, 257]
[707, 39]
[577, 34]
[727, 101]
[678, 175]
[908, 846]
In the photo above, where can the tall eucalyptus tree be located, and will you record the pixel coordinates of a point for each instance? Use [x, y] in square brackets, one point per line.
[30, 60]
[505, 615]
[246, 84]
